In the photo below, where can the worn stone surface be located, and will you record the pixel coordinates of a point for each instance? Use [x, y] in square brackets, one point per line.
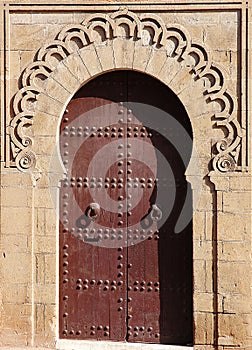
[221, 202]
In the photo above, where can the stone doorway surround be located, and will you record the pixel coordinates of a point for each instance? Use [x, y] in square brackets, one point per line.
[127, 38]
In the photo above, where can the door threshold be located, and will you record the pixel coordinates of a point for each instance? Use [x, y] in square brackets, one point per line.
[63, 344]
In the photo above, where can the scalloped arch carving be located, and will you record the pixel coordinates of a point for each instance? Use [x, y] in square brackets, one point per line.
[76, 45]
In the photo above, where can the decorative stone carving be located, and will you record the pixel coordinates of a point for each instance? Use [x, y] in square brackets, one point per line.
[127, 25]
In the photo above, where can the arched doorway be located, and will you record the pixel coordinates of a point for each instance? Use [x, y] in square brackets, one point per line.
[125, 273]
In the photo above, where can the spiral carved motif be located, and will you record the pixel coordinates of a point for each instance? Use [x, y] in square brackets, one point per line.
[74, 38]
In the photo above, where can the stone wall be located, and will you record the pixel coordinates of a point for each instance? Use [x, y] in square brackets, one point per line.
[210, 72]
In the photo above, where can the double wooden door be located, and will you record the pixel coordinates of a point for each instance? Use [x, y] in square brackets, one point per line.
[123, 274]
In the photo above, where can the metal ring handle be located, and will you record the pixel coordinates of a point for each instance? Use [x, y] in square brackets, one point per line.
[156, 213]
[93, 211]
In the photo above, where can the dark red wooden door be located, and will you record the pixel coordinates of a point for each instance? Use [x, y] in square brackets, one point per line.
[122, 277]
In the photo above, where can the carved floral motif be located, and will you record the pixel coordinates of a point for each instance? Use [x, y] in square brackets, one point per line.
[75, 37]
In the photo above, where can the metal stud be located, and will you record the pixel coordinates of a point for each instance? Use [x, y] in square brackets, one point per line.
[141, 328]
[65, 297]
[149, 329]
[65, 314]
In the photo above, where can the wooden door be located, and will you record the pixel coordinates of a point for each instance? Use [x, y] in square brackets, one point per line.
[121, 276]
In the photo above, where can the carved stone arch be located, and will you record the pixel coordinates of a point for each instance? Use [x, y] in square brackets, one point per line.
[164, 52]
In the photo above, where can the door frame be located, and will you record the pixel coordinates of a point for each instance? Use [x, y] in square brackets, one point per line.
[187, 69]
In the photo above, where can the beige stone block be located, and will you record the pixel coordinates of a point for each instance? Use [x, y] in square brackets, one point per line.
[182, 81]
[14, 243]
[44, 163]
[199, 275]
[213, 39]
[234, 277]
[203, 302]
[43, 198]
[30, 37]
[39, 318]
[21, 18]
[15, 69]
[240, 183]
[39, 221]
[51, 222]
[16, 267]
[169, 70]
[204, 202]
[14, 293]
[90, 59]
[106, 55]
[209, 277]
[15, 178]
[50, 320]
[17, 317]
[52, 18]
[237, 202]
[234, 251]
[75, 64]
[198, 226]
[203, 146]
[45, 293]
[45, 124]
[44, 244]
[157, 60]
[40, 269]
[233, 329]
[65, 78]
[16, 196]
[56, 91]
[50, 268]
[26, 57]
[123, 52]
[202, 249]
[141, 57]
[202, 125]
[199, 328]
[22, 217]
[46, 145]
[48, 105]
[209, 225]
[235, 304]
[10, 338]
[234, 227]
